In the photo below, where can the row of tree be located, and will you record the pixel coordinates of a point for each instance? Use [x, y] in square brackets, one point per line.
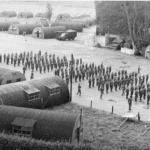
[131, 19]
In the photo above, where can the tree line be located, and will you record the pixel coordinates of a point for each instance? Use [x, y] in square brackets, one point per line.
[130, 19]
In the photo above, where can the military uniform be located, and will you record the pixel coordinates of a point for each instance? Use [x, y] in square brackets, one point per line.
[130, 103]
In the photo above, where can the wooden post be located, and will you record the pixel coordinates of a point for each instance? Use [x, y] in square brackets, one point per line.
[139, 117]
[71, 67]
[112, 109]
[91, 103]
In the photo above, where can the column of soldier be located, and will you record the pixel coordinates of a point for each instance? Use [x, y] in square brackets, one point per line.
[131, 84]
[37, 62]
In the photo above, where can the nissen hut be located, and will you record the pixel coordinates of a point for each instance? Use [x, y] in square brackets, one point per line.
[25, 15]
[4, 26]
[47, 32]
[10, 76]
[22, 28]
[39, 93]
[41, 124]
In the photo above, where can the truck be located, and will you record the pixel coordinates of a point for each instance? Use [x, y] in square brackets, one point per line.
[67, 35]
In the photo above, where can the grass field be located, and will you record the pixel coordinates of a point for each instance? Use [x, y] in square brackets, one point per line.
[98, 126]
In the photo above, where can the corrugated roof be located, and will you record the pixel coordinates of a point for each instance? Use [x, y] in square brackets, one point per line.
[30, 89]
[14, 94]
[49, 124]
[18, 121]
[51, 86]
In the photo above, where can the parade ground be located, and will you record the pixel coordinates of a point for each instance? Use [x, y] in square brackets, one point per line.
[81, 48]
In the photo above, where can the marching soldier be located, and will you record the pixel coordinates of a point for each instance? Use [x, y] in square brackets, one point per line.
[140, 93]
[147, 77]
[115, 84]
[67, 80]
[40, 68]
[89, 82]
[111, 85]
[32, 75]
[123, 89]
[101, 91]
[148, 97]
[144, 92]
[127, 92]
[24, 69]
[93, 81]
[136, 94]
[107, 86]
[131, 91]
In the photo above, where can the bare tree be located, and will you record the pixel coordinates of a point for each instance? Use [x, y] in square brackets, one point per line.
[137, 14]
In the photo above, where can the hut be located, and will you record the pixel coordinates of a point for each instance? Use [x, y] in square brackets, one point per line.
[25, 15]
[41, 124]
[63, 17]
[4, 26]
[22, 28]
[47, 32]
[10, 76]
[69, 25]
[43, 22]
[40, 93]
[8, 14]
[40, 15]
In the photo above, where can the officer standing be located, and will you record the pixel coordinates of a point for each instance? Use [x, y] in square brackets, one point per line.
[79, 90]
[130, 103]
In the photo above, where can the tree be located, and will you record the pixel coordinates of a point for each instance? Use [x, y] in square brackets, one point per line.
[138, 19]
[128, 18]
[111, 18]
[48, 13]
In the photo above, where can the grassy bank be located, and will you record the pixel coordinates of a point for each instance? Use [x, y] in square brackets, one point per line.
[99, 130]
[9, 142]
[99, 134]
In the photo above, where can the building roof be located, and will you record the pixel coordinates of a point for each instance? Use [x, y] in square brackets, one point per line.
[29, 89]
[14, 93]
[28, 123]
[51, 86]
[50, 124]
